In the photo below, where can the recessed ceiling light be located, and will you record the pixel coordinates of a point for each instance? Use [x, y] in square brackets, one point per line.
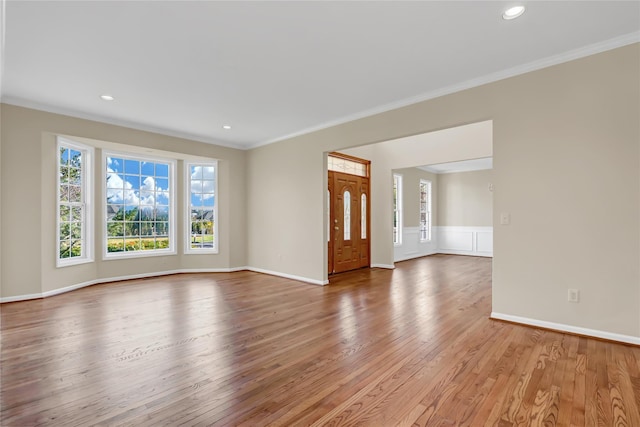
[513, 12]
[107, 97]
[226, 127]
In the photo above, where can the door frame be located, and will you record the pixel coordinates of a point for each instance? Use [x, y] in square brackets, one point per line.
[331, 211]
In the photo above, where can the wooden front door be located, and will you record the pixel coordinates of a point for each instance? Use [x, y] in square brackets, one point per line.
[348, 247]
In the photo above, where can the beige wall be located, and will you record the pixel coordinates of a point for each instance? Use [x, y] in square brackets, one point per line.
[464, 199]
[286, 188]
[458, 199]
[411, 195]
[552, 128]
[28, 202]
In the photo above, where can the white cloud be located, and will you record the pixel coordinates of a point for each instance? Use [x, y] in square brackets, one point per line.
[200, 185]
[148, 184]
[120, 191]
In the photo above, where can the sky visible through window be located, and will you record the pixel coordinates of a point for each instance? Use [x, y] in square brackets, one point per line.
[138, 196]
[137, 183]
[138, 204]
[202, 192]
[202, 187]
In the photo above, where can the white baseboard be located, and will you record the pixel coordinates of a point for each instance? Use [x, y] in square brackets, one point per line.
[20, 298]
[387, 266]
[117, 279]
[211, 270]
[288, 276]
[408, 256]
[468, 253]
[611, 336]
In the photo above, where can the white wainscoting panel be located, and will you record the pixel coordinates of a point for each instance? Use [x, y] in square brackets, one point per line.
[412, 247]
[450, 239]
[475, 241]
[484, 242]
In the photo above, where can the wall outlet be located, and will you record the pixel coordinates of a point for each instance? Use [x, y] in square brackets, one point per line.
[574, 295]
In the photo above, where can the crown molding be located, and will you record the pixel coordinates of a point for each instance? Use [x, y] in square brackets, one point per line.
[571, 55]
[20, 102]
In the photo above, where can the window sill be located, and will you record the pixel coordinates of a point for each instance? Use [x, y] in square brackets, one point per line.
[201, 252]
[137, 254]
[69, 262]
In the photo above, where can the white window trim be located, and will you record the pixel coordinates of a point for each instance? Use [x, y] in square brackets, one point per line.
[171, 250]
[188, 250]
[87, 191]
[398, 207]
[428, 212]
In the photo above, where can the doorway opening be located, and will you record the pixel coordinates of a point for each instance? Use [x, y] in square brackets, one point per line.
[348, 201]
[418, 232]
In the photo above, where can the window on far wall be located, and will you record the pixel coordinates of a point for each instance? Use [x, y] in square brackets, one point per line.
[139, 206]
[74, 212]
[202, 215]
[425, 210]
[397, 209]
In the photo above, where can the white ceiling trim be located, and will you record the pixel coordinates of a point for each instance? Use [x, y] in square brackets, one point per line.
[19, 102]
[461, 166]
[592, 49]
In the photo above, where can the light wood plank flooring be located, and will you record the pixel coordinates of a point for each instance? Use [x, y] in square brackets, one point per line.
[409, 347]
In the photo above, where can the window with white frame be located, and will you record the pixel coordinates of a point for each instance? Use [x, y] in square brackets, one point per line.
[397, 209]
[425, 210]
[202, 214]
[139, 208]
[74, 207]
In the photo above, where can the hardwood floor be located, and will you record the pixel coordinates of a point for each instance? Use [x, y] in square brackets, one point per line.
[409, 347]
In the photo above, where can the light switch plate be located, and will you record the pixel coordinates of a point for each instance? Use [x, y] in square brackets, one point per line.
[573, 295]
[505, 218]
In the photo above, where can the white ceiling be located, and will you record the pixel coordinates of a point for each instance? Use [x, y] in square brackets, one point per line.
[277, 69]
